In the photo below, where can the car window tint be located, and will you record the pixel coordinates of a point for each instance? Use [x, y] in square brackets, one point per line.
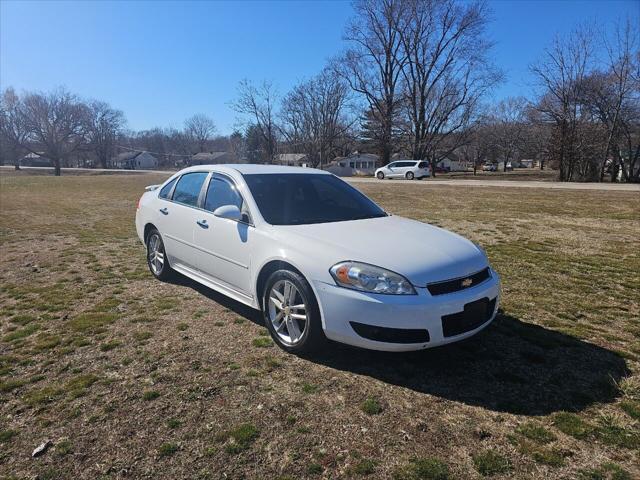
[301, 198]
[166, 190]
[221, 192]
[422, 165]
[188, 188]
[391, 165]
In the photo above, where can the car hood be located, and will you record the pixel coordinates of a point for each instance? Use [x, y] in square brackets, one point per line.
[419, 251]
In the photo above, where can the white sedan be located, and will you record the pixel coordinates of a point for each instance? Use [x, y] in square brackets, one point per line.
[317, 257]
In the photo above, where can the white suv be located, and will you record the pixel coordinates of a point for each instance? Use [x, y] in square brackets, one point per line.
[408, 169]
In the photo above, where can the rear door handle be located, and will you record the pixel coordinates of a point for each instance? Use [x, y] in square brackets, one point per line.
[164, 211]
[202, 223]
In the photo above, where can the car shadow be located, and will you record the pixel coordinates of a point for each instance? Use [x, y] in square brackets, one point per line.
[511, 366]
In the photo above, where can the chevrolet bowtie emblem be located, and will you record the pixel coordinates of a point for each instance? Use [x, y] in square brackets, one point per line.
[466, 282]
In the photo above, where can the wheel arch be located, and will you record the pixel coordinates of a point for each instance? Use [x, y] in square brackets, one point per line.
[267, 269]
[147, 229]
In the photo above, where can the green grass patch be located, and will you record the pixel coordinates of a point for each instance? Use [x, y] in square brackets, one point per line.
[490, 462]
[78, 386]
[64, 447]
[607, 471]
[536, 432]
[262, 342]
[173, 423]
[314, 469]
[150, 395]
[371, 406]
[572, 425]
[11, 384]
[167, 449]
[182, 326]
[105, 347]
[7, 435]
[22, 332]
[309, 388]
[92, 322]
[141, 336]
[240, 438]
[429, 468]
[631, 408]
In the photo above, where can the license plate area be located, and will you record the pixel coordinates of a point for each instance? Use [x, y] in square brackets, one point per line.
[473, 316]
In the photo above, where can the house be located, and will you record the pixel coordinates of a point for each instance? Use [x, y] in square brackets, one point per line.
[35, 160]
[211, 158]
[452, 163]
[355, 164]
[291, 159]
[136, 160]
[525, 163]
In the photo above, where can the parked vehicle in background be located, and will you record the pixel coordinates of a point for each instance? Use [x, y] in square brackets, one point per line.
[409, 169]
[489, 167]
[317, 257]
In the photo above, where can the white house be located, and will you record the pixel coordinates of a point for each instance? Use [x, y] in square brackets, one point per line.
[453, 164]
[355, 164]
[136, 161]
[35, 160]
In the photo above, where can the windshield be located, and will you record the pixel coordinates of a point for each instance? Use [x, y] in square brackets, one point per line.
[303, 198]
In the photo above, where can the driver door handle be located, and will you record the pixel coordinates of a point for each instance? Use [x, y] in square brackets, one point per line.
[164, 211]
[202, 223]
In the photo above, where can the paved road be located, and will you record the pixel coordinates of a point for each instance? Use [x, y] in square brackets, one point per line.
[624, 187]
[620, 187]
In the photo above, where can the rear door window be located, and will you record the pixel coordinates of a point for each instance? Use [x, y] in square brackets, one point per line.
[423, 165]
[166, 190]
[188, 188]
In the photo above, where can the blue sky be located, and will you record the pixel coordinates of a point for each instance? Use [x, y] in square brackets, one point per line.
[161, 62]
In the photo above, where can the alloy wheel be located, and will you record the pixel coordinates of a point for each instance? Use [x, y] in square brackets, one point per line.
[156, 254]
[287, 312]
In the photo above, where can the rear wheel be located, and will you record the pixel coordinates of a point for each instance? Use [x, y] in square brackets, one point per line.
[380, 175]
[291, 312]
[409, 175]
[157, 257]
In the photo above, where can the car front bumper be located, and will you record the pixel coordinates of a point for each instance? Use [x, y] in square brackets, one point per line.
[341, 306]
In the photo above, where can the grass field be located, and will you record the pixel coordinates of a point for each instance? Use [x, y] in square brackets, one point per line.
[133, 378]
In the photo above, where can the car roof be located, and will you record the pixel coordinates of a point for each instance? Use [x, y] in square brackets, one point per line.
[248, 169]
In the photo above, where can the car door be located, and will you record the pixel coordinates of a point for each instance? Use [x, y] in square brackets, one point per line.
[392, 170]
[178, 219]
[224, 245]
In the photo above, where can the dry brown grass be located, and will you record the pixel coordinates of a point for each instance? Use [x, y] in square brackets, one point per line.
[130, 377]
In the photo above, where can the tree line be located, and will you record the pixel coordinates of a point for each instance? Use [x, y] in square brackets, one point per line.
[414, 80]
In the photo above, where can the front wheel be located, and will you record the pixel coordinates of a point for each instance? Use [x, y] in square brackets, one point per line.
[291, 312]
[409, 175]
[157, 256]
[380, 175]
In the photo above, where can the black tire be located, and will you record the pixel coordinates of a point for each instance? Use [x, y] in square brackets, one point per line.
[164, 272]
[409, 176]
[313, 336]
[380, 175]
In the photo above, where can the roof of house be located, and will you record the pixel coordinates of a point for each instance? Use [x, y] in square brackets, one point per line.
[208, 156]
[124, 156]
[31, 155]
[289, 157]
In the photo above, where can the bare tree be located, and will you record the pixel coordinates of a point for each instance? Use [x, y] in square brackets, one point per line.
[259, 105]
[373, 63]
[508, 127]
[446, 73]
[104, 125]
[561, 74]
[200, 129]
[13, 132]
[314, 118]
[56, 125]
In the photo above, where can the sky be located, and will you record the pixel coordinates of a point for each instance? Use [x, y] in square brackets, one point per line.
[161, 62]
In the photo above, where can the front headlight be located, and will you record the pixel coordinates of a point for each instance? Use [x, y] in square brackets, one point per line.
[369, 278]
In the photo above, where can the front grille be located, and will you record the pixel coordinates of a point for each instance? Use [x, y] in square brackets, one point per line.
[450, 286]
[474, 315]
[390, 335]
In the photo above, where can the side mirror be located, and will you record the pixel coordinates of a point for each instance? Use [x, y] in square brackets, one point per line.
[228, 211]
